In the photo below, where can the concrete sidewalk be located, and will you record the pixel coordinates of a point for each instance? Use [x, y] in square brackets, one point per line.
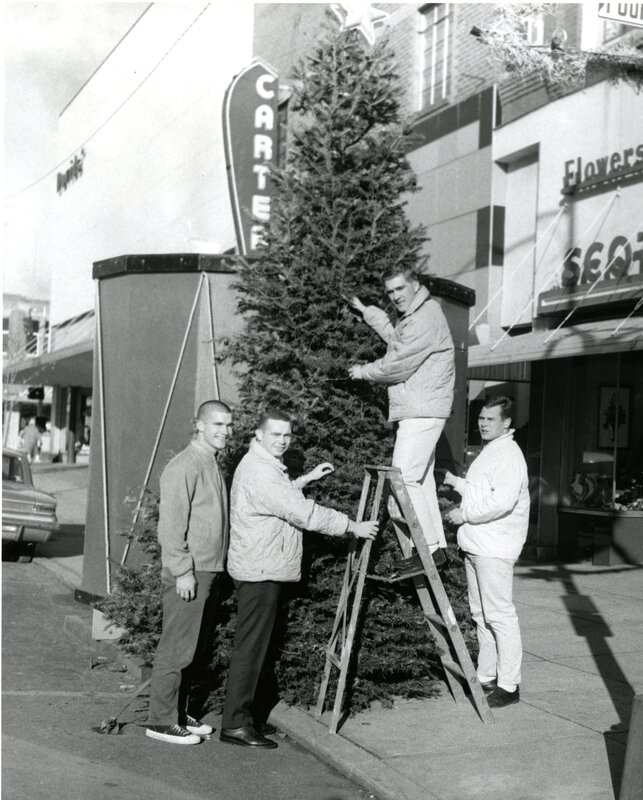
[583, 641]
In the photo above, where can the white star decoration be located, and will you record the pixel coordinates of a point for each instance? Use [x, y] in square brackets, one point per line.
[359, 15]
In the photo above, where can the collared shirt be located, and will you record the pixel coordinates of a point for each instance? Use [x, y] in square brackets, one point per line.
[193, 513]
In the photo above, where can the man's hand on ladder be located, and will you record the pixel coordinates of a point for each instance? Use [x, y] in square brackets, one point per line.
[364, 530]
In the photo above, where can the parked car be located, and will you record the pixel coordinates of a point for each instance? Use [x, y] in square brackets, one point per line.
[28, 514]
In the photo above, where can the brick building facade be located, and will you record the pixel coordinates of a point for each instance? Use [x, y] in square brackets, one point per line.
[490, 151]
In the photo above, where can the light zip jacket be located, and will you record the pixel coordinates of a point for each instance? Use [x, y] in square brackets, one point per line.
[418, 367]
[193, 513]
[267, 515]
[495, 501]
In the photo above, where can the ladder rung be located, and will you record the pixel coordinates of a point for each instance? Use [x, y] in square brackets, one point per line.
[436, 619]
[455, 668]
[334, 660]
[382, 578]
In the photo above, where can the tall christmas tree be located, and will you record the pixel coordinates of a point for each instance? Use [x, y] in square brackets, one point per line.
[338, 222]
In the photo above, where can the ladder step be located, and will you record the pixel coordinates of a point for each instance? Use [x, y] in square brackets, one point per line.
[382, 578]
[454, 668]
[334, 660]
[438, 619]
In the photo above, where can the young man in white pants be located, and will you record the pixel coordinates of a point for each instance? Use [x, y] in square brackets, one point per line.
[419, 370]
[494, 519]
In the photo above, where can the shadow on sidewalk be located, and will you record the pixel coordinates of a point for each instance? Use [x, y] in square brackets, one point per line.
[66, 542]
[590, 624]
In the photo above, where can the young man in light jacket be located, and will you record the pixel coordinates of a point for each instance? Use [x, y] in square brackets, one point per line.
[419, 370]
[493, 520]
[193, 534]
[268, 512]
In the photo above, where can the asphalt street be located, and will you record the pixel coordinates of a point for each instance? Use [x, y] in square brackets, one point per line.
[53, 694]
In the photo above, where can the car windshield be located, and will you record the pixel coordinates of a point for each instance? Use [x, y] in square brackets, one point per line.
[12, 469]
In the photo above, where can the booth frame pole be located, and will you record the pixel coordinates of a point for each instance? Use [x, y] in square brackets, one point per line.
[103, 438]
[214, 353]
[163, 418]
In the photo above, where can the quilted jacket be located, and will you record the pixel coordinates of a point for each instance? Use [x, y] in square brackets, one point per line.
[267, 516]
[418, 366]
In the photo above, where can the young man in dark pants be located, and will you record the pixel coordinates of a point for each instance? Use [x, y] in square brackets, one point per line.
[193, 534]
[268, 513]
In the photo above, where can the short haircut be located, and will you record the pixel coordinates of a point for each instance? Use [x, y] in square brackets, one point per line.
[409, 273]
[212, 405]
[274, 413]
[504, 404]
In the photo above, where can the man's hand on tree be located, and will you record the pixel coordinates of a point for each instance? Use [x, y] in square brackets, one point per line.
[354, 372]
[186, 587]
[320, 471]
[454, 516]
[364, 530]
[356, 303]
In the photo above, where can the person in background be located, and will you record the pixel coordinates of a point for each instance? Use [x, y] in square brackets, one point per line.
[31, 439]
[493, 520]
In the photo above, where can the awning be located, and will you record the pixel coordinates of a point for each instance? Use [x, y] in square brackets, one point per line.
[587, 339]
[69, 366]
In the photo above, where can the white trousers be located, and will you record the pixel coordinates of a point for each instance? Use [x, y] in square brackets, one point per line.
[414, 454]
[490, 588]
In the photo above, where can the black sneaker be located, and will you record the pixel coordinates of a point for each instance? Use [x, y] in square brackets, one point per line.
[409, 567]
[193, 725]
[489, 686]
[174, 734]
[499, 697]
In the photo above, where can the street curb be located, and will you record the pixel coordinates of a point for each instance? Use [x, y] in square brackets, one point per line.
[353, 761]
[69, 577]
[81, 630]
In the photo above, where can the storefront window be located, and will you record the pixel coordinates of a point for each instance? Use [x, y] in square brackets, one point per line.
[604, 469]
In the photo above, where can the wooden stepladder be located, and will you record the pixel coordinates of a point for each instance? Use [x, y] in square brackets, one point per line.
[384, 482]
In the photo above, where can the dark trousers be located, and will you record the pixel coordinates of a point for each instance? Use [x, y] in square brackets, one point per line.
[257, 604]
[185, 638]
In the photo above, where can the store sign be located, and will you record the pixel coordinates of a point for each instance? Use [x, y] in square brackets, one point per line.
[625, 13]
[615, 265]
[72, 173]
[580, 173]
[250, 138]
[603, 260]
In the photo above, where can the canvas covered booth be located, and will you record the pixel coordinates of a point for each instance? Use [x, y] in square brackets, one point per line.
[160, 320]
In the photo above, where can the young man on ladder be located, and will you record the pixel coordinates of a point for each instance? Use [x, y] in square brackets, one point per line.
[419, 370]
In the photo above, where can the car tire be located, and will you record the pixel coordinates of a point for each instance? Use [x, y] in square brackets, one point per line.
[26, 553]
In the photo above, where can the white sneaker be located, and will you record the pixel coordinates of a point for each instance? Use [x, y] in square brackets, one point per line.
[175, 734]
[196, 726]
